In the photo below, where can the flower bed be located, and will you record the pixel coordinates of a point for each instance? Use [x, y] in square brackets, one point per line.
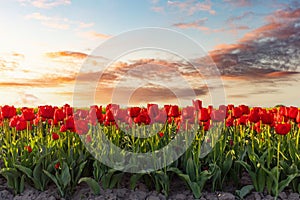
[60, 145]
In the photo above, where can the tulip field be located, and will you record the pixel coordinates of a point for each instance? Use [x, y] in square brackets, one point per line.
[51, 145]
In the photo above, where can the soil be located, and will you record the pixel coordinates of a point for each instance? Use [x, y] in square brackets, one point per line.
[178, 191]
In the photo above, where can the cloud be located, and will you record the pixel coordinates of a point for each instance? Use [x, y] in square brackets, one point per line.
[239, 3]
[94, 35]
[283, 16]
[158, 9]
[267, 50]
[58, 22]
[239, 17]
[192, 6]
[45, 80]
[26, 99]
[198, 24]
[11, 61]
[46, 4]
[71, 54]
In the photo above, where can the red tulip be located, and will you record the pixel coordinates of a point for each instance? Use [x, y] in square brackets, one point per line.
[28, 148]
[152, 109]
[134, 111]
[222, 107]
[69, 122]
[161, 134]
[161, 117]
[267, 118]
[142, 118]
[245, 109]
[242, 120]
[230, 106]
[218, 115]
[206, 125]
[63, 128]
[121, 115]
[257, 127]
[28, 114]
[82, 113]
[92, 117]
[112, 107]
[229, 121]
[57, 165]
[68, 111]
[55, 136]
[197, 104]
[254, 116]
[46, 111]
[81, 126]
[237, 112]
[13, 121]
[188, 112]
[109, 117]
[298, 117]
[283, 111]
[173, 111]
[293, 112]
[203, 115]
[59, 115]
[21, 125]
[8, 111]
[283, 129]
[167, 108]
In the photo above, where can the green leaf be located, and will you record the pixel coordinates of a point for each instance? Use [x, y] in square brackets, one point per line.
[37, 177]
[79, 172]
[12, 172]
[22, 184]
[244, 191]
[92, 184]
[261, 180]
[284, 183]
[65, 175]
[25, 170]
[190, 169]
[226, 165]
[192, 185]
[53, 178]
[116, 178]
[134, 179]
[196, 190]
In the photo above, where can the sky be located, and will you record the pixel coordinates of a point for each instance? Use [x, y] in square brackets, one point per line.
[50, 48]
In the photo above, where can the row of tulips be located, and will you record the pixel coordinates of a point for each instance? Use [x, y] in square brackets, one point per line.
[59, 145]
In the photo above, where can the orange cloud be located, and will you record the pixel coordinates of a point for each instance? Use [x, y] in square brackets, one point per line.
[264, 31]
[191, 6]
[94, 35]
[100, 35]
[240, 17]
[198, 24]
[239, 3]
[43, 81]
[72, 54]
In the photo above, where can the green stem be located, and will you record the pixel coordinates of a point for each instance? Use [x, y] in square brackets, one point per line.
[297, 138]
[269, 147]
[277, 169]
[252, 137]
